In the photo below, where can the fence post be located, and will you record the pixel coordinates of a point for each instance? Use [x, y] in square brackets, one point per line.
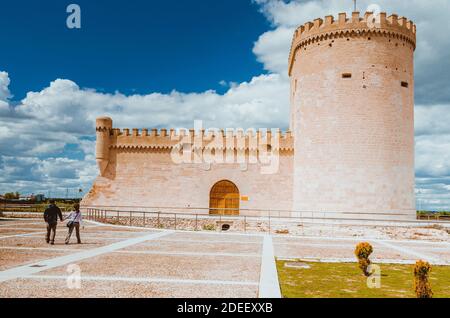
[131, 215]
[158, 220]
[118, 217]
[269, 224]
[175, 221]
[196, 222]
[143, 213]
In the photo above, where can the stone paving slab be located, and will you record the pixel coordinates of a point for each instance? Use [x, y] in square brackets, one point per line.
[13, 258]
[205, 237]
[38, 241]
[168, 266]
[299, 251]
[314, 240]
[197, 247]
[443, 254]
[9, 232]
[49, 288]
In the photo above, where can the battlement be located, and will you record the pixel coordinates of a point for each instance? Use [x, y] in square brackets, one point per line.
[115, 138]
[330, 28]
[203, 139]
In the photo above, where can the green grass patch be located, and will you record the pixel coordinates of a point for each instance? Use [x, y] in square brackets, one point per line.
[345, 280]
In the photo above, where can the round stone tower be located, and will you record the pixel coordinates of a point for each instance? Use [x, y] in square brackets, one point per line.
[103, 128]
[352, 114]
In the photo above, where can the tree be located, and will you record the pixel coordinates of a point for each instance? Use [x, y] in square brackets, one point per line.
[12, 195]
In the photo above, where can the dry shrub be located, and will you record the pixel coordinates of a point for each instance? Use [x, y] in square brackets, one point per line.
[362, 252]
[421, 284]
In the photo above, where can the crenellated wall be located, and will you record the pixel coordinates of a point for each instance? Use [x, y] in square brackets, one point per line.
[163, 138]
[140, 168]
[319, 30]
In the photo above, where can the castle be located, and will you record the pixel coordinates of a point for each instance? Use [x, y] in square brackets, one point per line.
[349, 152]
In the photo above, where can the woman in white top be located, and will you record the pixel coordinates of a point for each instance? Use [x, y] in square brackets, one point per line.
[75, 219]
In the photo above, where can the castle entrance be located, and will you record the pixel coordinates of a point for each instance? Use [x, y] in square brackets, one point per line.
[224, 199]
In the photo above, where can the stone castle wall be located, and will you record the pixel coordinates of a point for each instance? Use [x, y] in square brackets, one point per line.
[352, 92]
[149, 178]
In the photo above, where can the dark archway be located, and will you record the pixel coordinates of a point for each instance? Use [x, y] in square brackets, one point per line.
[224, 198]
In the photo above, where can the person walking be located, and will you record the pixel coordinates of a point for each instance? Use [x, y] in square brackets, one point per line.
[51, 215]
[75, 218]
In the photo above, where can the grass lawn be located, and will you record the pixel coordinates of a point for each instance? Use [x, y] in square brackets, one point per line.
[345, 280]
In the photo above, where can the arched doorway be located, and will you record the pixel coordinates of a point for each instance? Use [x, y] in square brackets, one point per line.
[224, 198]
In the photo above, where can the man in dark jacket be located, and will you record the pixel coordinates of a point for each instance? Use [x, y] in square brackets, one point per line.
[51, 215]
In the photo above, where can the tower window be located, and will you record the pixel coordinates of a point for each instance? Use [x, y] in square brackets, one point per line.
[405, 84]
[347, 75]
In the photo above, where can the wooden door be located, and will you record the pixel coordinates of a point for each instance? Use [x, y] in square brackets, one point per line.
[224, 199]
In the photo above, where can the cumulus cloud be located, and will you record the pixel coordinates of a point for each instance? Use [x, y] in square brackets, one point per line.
[433, 42]
[63, 106]
[5, 95]
[4, 87]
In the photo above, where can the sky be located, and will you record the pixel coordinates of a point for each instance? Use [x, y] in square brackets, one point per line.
[167, 63]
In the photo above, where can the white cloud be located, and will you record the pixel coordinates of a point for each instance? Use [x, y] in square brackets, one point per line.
[272, 49]
[4, 87]
[433, 43]
[433, 156]
[64, 107]
[432, 120]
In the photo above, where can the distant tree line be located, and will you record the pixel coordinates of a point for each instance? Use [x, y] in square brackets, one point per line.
[12, 196]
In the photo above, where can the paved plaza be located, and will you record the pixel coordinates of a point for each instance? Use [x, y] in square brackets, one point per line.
[119, 261]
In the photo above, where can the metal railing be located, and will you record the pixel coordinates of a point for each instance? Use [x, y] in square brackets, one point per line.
[245, 223]
[266, 221]
[247, 212]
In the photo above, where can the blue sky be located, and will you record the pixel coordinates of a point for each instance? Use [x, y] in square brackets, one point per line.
[132, 46]
[164, 64]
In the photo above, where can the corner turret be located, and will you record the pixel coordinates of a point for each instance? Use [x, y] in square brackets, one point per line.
[103, 128]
